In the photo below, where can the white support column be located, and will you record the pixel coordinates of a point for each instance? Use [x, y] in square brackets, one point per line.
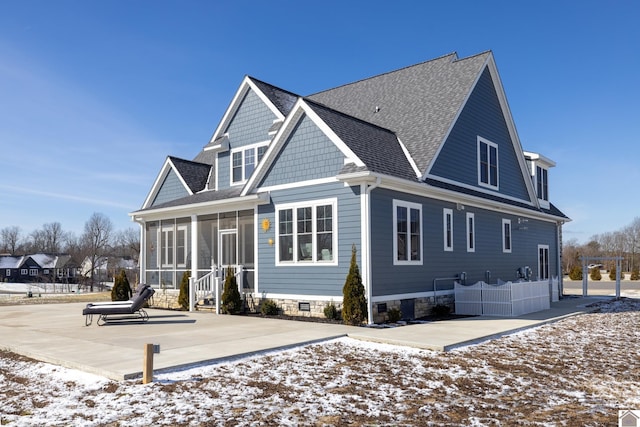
[142, 259]
[194, 246]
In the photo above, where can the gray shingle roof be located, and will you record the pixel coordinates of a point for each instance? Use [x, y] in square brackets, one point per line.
[419, 103]
[282, 99]
[194, 174]
[378, 148]
[205, 196]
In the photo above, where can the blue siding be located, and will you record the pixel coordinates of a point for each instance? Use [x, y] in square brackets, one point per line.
[171, 189]
[251, 122]
[310, 279]
[307, 154]
[481, 116]
[249, 125]
[437, 263]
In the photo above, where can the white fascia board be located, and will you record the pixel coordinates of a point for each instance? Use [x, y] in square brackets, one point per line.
[168, 165]
[246, 85]
[415, 168]
[517, 146]
[203, 208]
[300, 108]
[537, 157]
[424, 190]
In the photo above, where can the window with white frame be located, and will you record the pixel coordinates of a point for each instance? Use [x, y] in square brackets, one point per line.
[24, 271]
[307, 233]
[471, 232]
[506, 235]
[407, 232]
[244, 161]
[487, 163]
[8, 272]
[542, 184]
[447, 229]
[543, 262]
[173, 246]
[33, 272]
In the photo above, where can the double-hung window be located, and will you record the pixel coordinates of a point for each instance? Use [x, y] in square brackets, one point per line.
[506, 235]
[542, 185]
[471, 232]
[407, 233]
[447, 228]
[244, 161]
[487, 163]
[543, 262]
[307, 233]
[173, 246]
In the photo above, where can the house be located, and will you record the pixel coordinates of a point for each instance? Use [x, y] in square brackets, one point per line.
[10, 267]
[420, 169]
[37, 267]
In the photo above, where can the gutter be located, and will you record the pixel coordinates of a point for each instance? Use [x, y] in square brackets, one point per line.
[366, 250]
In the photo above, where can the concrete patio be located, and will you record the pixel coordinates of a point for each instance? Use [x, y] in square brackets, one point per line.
[56, 333]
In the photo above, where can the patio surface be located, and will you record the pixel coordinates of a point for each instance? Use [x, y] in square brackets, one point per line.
[56, 333]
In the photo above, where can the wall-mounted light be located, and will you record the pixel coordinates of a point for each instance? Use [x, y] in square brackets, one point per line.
[266, 224]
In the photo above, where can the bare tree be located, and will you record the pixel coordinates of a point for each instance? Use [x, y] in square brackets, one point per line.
[53, 237]
[128, 242]
[96, 239]
[10, 238]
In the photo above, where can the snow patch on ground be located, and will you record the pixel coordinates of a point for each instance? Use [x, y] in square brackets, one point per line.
[580, 370]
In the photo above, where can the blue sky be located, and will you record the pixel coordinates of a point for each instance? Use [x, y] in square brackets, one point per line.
[95, 94]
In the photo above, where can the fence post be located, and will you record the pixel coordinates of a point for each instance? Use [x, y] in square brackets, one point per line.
[147, 365]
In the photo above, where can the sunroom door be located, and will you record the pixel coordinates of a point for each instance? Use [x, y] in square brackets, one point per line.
[228, 250]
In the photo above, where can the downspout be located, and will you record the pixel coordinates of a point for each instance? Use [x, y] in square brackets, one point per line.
[559, 259]
[366, 247]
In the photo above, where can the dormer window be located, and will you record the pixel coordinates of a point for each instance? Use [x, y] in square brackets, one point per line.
[539, 166]
[244, 161]
[542, 183]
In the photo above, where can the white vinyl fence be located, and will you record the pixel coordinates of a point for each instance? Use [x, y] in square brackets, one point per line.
[504, 299]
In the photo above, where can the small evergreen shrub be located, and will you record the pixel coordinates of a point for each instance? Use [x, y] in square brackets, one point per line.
[183, 297]
[231, 299]
[440, 310]
[269, 308]
[394, 314]
[575, 273]
[635, 273]
[354, 303]
[612, 274]
[331, 312]
[595, 274]
[121, 290]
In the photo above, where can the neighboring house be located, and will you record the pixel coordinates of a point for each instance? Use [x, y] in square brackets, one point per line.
[10, 268]
[37, 267]
[421, 169]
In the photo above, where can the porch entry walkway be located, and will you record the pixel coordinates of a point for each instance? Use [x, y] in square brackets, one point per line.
[56, 333]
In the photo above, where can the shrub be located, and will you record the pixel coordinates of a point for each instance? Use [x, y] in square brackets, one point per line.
[354, 304]
[121, 290]
[595, 274]
[269, 308]
[331, 312]
[231, 299]
[394, 314]
[575, 273]
[612, 273]
[635, 273]
[440, 310]
[183, 297]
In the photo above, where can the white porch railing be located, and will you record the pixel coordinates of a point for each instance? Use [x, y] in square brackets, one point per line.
[209, 286]
[504, 299]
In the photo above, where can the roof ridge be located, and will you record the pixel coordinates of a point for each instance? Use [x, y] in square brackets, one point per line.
[452, 54]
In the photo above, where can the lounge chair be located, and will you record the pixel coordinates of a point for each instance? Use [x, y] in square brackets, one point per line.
[122, 310]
